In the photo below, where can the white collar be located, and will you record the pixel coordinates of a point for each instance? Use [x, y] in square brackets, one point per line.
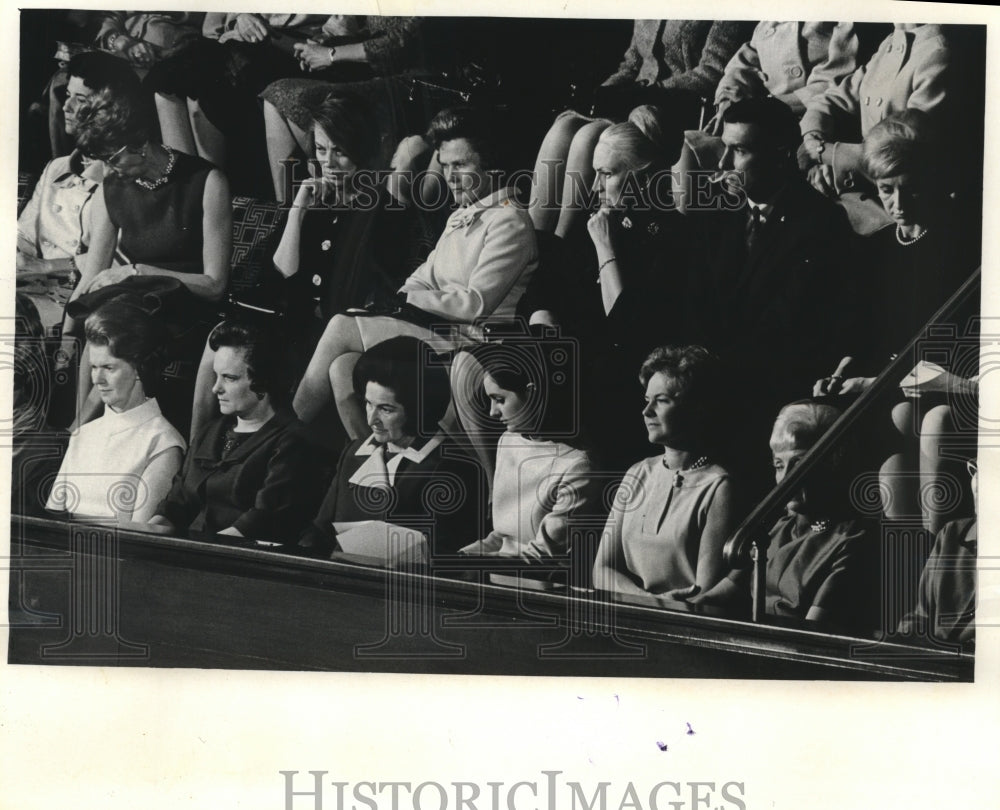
[376, 472]
[116, 422]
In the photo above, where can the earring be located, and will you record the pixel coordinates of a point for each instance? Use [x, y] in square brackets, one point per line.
[260, 396]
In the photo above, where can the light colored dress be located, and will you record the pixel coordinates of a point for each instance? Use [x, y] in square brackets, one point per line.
[538, 488]
[660, 521]
[102, 474]
[479, 268]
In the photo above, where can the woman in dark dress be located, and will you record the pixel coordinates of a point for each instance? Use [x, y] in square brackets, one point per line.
[634, 250]
[822, 561]
[251, 472]
[406, 471]
[345, 240]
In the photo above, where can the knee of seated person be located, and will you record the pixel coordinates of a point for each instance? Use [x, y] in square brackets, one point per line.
[937, 421]
[902, 418]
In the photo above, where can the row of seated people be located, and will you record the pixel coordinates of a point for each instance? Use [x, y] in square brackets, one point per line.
[757, 285]
[225, 84]
[703, 278]
[253, 473]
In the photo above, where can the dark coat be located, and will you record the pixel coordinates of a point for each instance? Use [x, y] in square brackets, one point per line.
[266, 488]
[440, 495]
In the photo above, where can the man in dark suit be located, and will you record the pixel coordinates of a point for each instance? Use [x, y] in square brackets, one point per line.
[770, 284]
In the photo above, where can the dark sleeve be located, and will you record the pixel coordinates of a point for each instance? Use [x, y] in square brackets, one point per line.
[839, 587]
[319, 539]
[288, 492]
[723, 40]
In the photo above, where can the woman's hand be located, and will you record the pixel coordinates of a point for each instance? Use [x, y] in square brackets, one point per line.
[821, 178]
[313, 56]
[310, 194]
[602, 228]
[680, 594]
[838, 384]
[113, 275]
[815, 145]
[250, 28]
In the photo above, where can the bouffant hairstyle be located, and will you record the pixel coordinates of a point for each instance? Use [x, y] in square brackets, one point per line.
[662, 129]
[801, 424]
[774, 118]
[130, 335]
[901, 144]
[699, 373]
[411, 369]
[263, 352]
[629, 143]
[111, 120]
[349, 121]
[479, 127]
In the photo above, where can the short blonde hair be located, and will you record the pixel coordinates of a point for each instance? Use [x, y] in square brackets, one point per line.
[801, 424]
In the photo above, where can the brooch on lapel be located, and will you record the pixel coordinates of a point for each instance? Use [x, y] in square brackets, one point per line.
[653, 228]
[626, 223]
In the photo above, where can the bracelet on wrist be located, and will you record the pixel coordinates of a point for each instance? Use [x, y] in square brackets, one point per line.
[604, 264]
[332, 52]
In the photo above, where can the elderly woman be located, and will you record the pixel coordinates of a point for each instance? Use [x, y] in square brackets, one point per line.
[543, 477]
[821, 560]
[479, 269]
[251, 472]
[670, 63]
[119, 466]
[406, 471]
[913, 267]
[673, 512]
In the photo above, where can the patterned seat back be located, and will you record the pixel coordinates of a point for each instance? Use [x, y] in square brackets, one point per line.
[253, 223]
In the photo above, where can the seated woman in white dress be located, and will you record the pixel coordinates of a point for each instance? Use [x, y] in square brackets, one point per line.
[479, 269]
[673, 512]
[119, 466]
[542, 480]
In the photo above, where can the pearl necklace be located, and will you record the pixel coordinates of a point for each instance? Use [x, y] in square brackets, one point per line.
[903, 241]
[159, 181]
[679, 478]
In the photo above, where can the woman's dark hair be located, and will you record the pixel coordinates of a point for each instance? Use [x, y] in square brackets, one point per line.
[130, 335]
[102, 71]
[411, 369]
[548, 369]
[264, 354]
[112, 119]
[349, 121]
[478, 126]
[905, 143]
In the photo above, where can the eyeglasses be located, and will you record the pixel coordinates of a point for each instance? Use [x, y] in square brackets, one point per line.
[113, 159]
[972, 466]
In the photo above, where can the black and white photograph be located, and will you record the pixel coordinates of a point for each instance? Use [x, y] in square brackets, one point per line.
[634, 364]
